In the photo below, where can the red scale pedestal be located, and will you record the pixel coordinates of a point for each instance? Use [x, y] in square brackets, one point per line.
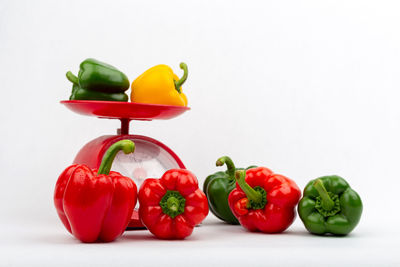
[151, 157]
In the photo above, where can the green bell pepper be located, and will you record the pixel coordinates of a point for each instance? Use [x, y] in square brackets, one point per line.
[98, 81]
[217, 188]
[84, 94]
[329, 205]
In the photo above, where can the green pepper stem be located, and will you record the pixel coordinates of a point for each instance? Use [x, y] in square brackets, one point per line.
[173, 204]
[72, 78]
[182, 80]
[251, 194]
[229, 164]
[125, 145]
[326, 202]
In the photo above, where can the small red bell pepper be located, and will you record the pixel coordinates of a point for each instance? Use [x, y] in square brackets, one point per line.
[264, 201]
[96, 205]
[170, 207]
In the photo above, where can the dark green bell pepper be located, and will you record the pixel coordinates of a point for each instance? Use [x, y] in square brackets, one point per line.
[84, 94]
[217, 188]
[98, 81]
[330, 206]
[98, 76]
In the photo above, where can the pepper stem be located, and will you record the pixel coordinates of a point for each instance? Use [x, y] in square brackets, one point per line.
[326, 202]
[172, 203]
[72, 78]
[252, 195]
[125, 145]
[229, 164]
[182, 80]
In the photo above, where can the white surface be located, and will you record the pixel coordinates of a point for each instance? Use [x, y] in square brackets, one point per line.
[212, 244]
[306, 88]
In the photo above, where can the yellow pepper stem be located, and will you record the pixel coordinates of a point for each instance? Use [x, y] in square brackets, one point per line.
[182, 80]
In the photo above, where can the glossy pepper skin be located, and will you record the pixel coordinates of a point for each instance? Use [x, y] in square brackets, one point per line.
[98, 81]
[83, 94]
[329, 205]
[264, 201]
[159, 85]
[172, 206]
[217, 187]
[96, 205]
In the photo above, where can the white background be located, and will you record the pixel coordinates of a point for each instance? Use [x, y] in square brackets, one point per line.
[306, 88]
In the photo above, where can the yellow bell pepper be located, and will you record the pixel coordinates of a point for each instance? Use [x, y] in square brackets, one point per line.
[159, 85]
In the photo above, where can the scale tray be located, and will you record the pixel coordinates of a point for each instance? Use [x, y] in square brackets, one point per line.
[124, 110]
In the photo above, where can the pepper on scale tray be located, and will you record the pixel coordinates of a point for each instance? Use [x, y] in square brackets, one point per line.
[98, 81]
[160, 85]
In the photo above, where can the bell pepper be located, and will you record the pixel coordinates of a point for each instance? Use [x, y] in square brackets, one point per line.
[217, 188]
[264, 201]
[96, 205]
[83, 94]
[98, 81]
[170, 207]
[330, 206]
[159, 85]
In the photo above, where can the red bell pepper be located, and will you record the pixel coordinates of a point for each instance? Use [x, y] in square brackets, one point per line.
[96, 205]
[170, 207]
[264, 201]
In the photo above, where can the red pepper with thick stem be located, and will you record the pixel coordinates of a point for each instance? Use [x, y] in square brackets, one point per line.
[264, 201]
[96, 205]
[170, 207]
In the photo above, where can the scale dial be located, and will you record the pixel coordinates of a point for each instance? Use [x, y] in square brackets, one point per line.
[148, 161]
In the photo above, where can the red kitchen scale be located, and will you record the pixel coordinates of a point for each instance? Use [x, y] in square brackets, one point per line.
[151, 157]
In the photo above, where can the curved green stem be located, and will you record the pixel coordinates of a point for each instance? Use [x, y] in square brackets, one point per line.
[229, 164]
[125, 145]
[326, 202]
[251, 194]
[182, 80]
[72, 78]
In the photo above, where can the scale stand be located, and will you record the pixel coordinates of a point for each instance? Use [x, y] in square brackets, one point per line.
[151, 158]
